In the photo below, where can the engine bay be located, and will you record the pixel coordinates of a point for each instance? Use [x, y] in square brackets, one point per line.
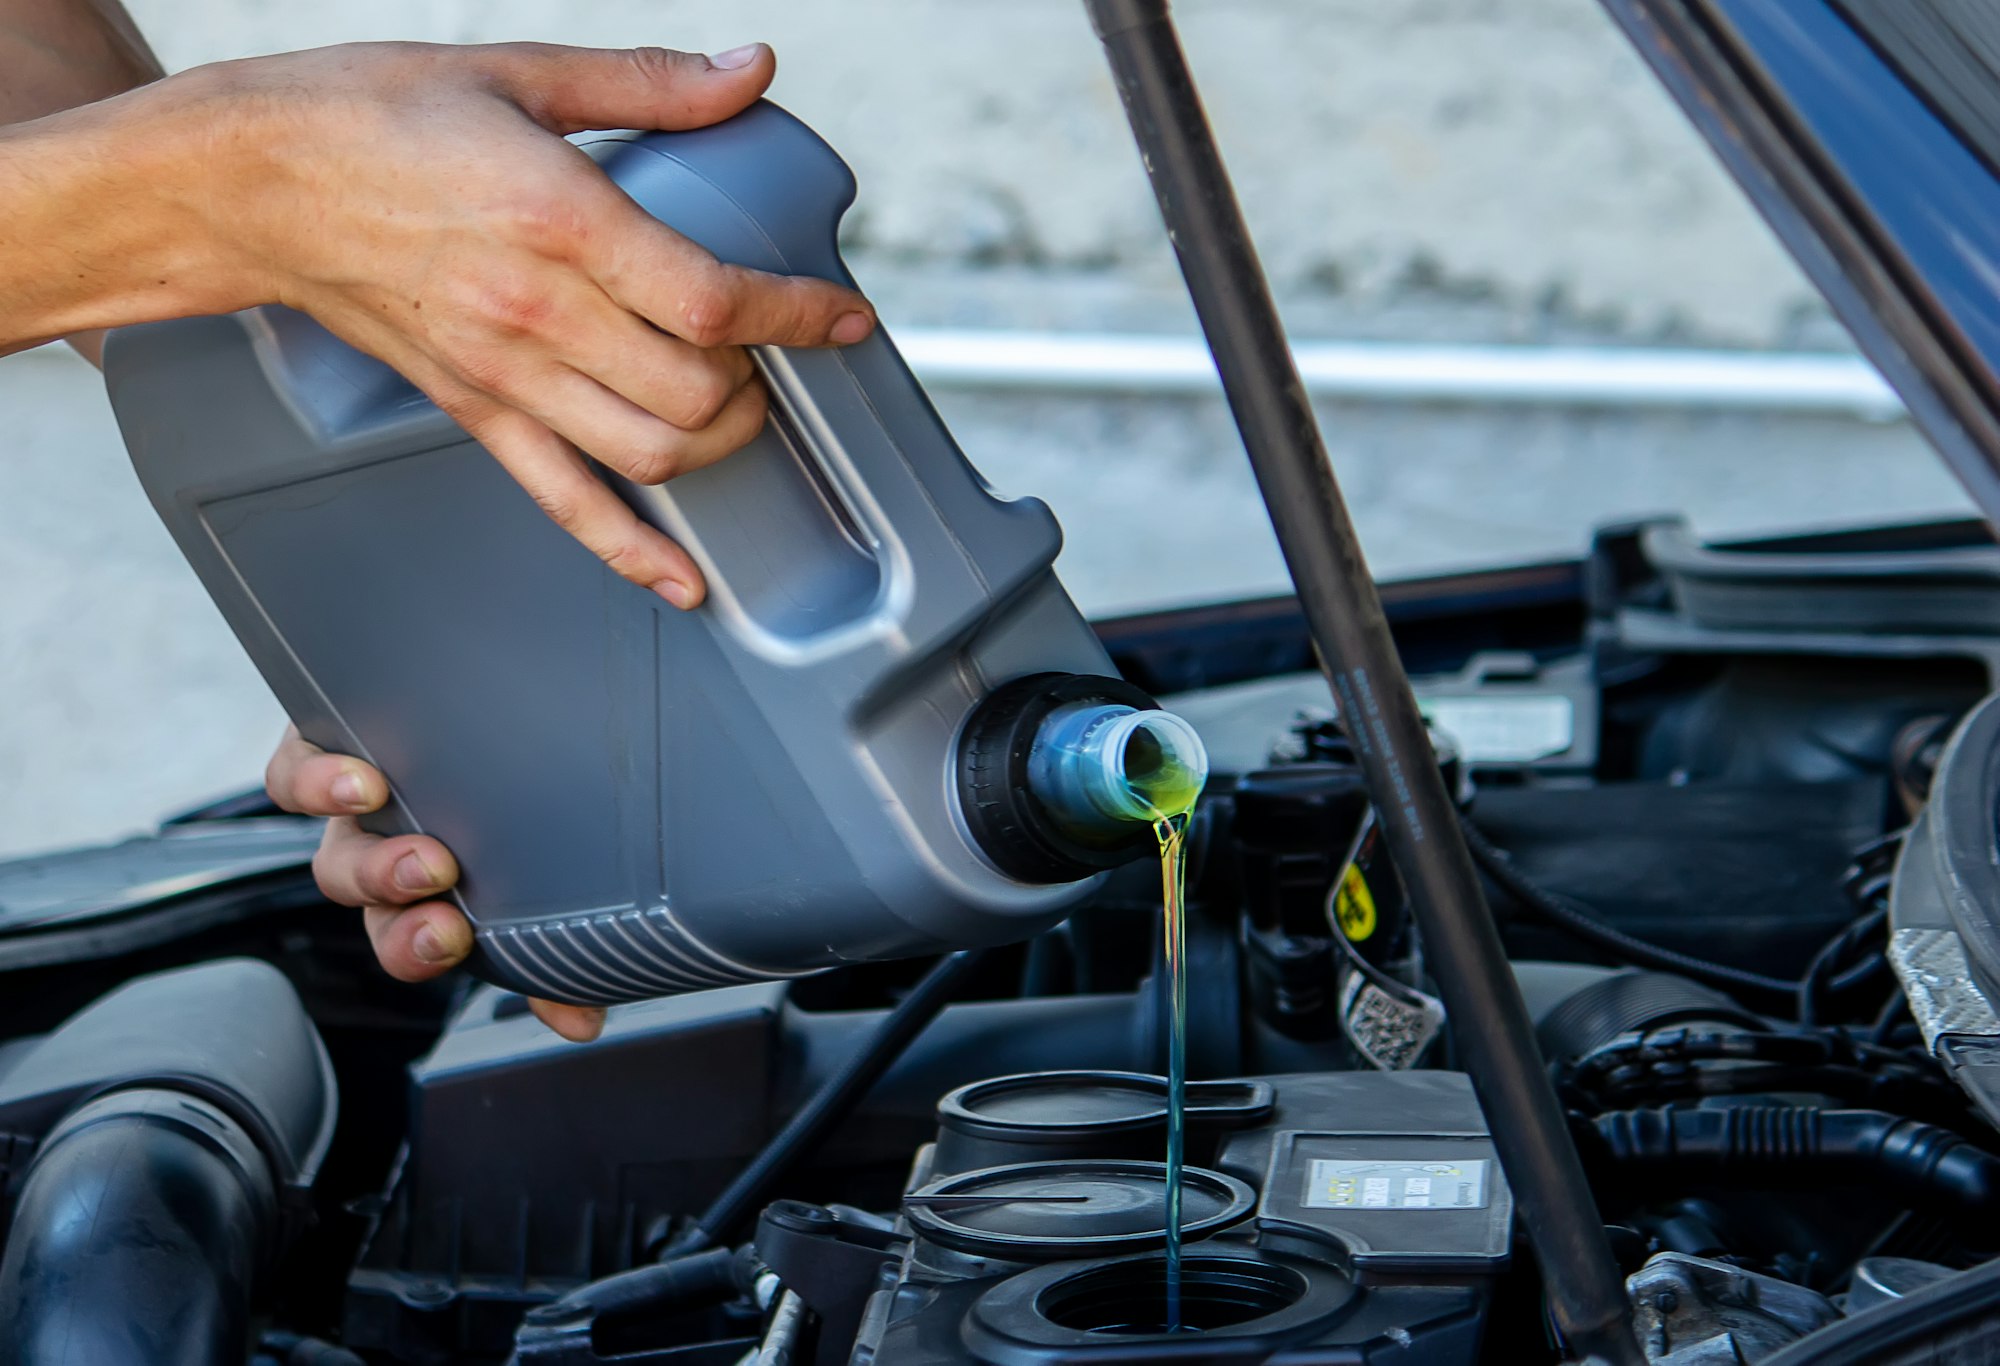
[1733, 808]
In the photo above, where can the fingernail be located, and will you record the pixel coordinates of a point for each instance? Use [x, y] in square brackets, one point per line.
[430, 946]
[412, 876]
[350, 791]
[850, 328]
[676, 592]
[736, 58]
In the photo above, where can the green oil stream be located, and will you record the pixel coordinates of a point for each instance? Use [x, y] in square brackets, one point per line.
[1168, 785]
[1094, 763]
[1172, 833]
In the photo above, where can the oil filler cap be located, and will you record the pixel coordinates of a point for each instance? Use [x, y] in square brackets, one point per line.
[1040, 1116]
[1045, 1211]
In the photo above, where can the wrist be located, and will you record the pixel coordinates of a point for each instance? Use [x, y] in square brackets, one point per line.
[189, 150]
[109, 214]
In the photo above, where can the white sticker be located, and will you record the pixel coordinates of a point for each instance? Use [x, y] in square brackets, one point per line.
[1337, 1184]
[1506, 728]
[1391, 1034]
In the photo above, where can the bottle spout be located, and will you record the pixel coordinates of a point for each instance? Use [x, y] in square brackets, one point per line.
[1060, 776]
[1098, 765]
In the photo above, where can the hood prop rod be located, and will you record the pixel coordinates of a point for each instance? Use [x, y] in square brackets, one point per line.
[1490, 1024]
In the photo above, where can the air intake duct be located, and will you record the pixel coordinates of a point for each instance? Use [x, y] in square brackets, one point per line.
[177, 1126]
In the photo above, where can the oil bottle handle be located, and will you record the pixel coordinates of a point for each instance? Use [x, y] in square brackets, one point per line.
[762, 190]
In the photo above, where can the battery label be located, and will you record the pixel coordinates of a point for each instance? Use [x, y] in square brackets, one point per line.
[1333, 1184]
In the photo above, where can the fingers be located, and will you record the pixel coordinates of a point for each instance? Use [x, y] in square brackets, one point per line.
[559, 481]
[417, 943]
[621, 435]
[670, 379]
[568, 89]
[305, 779]
[394, 880]
[578, 1024]
[680, 288]
[355, 868]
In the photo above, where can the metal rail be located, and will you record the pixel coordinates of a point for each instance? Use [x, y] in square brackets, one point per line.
[1552, 376]
[1389, 372]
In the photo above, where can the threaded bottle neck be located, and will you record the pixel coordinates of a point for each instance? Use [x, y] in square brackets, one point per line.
[1095, 764]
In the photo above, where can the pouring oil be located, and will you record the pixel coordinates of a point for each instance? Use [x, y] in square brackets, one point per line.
[1094, 763]
[1168, 780]
[1172, 833]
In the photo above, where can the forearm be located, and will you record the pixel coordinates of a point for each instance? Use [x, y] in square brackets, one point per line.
[57, 54]
[104, 221]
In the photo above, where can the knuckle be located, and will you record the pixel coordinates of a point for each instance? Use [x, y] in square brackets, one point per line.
[657, 463]
[327, 877]
[629, 560]
[806, 312]
[709, 312]
[657, 63]
[562, 506]
[513, 309]
[275, 785]
[559, 228]
[753, 409]
[486, 370]
[706, 395]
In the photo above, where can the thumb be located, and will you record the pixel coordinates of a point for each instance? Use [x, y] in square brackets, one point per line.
[570, 89]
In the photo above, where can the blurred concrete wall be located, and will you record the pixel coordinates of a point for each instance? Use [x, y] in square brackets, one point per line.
[1486, 170]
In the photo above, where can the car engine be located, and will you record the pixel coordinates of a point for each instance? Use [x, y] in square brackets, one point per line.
[1735, 806]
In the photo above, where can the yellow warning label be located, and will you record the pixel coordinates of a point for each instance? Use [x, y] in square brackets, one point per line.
[1354, 907]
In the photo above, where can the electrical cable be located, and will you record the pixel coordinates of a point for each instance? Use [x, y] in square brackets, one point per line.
[827, 1106]
[1571, 917]
[1816, 981]
[1582, 923]
[1660, 1065]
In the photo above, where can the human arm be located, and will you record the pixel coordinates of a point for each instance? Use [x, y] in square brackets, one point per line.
[421, 203]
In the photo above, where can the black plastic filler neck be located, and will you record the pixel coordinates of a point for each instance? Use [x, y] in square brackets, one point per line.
[1006, 821]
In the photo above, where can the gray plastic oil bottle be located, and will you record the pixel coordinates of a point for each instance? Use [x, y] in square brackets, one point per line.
[829, 761]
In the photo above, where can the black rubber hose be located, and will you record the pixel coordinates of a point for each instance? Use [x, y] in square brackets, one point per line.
[1617, 943]
[1490, 1027]
[585, 1324]
[1820, 979]
[1799, 1145]
[290, 1349]
[826, 1107]
[137, 1238]
[699, 1278]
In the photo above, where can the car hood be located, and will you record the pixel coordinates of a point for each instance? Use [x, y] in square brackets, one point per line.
[1868, 134]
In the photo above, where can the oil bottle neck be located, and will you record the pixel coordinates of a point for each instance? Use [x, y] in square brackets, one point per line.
[1095, 764]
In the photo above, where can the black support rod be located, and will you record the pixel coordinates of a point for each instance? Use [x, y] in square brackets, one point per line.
[1490, 1025]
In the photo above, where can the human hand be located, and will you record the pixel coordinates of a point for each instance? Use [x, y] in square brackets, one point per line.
[396, 881]
[420, 202]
